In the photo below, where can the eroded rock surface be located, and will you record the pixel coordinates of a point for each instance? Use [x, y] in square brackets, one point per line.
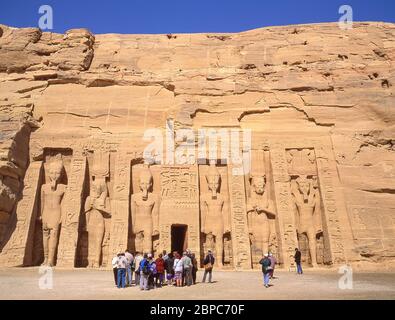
[301, 88]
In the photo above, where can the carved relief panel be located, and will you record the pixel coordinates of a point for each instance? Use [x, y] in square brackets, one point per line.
[179, 209]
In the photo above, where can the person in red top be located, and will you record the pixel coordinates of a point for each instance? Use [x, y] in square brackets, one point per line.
[160, 271]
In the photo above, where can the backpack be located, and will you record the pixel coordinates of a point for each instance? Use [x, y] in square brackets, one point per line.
[146, 269]
[265, 264]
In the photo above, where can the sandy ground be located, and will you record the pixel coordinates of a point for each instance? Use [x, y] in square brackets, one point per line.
[23, 283]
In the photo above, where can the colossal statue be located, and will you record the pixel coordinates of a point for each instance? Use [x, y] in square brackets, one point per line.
[307, 201]
[145, 213]
[97, 208]
[51, 210]
[214, 215]
[260, 209]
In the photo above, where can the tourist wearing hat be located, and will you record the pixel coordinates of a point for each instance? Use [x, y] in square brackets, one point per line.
[208, 263]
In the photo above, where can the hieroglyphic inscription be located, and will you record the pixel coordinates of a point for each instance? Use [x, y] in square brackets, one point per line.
[179, 204]
[71, 213]
[239, 226]
[284, 204]
[120, 206]
[330, 207]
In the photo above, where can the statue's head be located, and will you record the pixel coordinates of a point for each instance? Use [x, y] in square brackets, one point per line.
[98, 187]
[213, 179]
[291, 154]
[304, 186]
[145, 182]
[314, 182]
[258, 184]
[55, 172]
[311, 155]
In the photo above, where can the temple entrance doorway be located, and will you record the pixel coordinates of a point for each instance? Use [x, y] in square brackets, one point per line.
[179, 238]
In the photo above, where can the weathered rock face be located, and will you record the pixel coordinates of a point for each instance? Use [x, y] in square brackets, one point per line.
[319, 102]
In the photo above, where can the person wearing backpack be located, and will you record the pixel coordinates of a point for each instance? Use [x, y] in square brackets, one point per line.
[266, 269]
[208, 263]
[152, 272]
[144, 273]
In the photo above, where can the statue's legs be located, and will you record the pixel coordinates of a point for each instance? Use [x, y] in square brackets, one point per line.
[139, 242]
[98, 247]
[312, 246]
[95, 240]
[219, 248]
[45, 245]
[263, 236]
[209, 242]
[52, 245]
[147, 241]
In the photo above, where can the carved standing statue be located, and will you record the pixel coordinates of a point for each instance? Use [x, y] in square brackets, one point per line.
[260, 208]
[97, 208]
[214, 217]
[51, 212]
[307, 201]
[145, 213]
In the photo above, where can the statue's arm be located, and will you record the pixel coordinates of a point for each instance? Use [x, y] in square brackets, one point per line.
[226, 216]
[270, 210]
[250, 206]
[295, 192]
[133, 210]
[312, 195]
[155, 215]
[249, 221]
[42, 203]
[204, 209]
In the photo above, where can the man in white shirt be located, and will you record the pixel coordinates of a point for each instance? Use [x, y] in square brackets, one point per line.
[114, 263]
[129, 258]
[122, 262]
[137, 270]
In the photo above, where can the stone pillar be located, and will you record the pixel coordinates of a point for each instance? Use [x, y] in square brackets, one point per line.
[284, 204]
[71, 211]
[341, 242]
[119, 229]
[18, 249]
[238, 220]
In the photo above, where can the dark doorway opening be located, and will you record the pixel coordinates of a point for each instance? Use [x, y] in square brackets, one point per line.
[179, 239]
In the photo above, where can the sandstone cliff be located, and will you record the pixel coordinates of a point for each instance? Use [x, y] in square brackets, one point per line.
[303, 77]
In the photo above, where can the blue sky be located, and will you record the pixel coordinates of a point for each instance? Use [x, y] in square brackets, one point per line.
[187, 16]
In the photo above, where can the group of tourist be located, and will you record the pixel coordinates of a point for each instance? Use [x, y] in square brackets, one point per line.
[174, 269]
[167, 269]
